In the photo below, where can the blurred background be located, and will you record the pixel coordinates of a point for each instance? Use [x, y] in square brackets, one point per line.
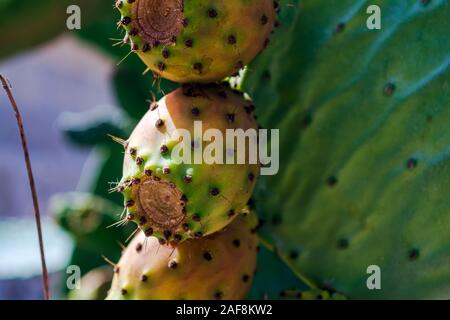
[72, 93]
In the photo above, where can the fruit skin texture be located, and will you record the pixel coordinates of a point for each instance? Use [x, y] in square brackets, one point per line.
[175, 201]
[220, 266]
[197, 40]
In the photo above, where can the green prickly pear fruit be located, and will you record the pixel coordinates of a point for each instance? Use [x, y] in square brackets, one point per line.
[220, 266]
[197, 40]
[174, 200]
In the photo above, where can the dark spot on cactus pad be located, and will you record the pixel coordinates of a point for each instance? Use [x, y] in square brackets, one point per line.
[340, 27]
[413, 254]
[133, 151]
[166, 170]
[162, 241]
[187, 179]
[188, 43]
[119, 4]
[251, 177]
[124, 292]
[245, 278]
[231, 213]
[293, 255]
[307, 120]
[116, 269]
[266, 76]
[332, 181]
[214, 191]
[276, 219]
[139, 247]
[133, 32]
[218, 295]
[389, 89]
[207, 256]
[130, 217]
[144, 278]
[173, 264]
[135, 47]
[135, 181]
[411, 164]
[129, 203]
[185, 227]
[148, 172]
[177, 237]
[196, 217]
[145, 47]
[236, 243]
[343, 243]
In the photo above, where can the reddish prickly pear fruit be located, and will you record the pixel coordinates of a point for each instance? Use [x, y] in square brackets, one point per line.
[197, 40]
[175, 200]
[220, 266]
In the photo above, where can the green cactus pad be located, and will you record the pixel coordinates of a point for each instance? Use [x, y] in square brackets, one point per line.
[220, 266]
[196, 40]
[363, 117]
[175, 201]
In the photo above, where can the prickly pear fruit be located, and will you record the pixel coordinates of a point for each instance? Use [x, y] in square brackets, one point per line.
[220, 266]
[174, 201]
[197, 40]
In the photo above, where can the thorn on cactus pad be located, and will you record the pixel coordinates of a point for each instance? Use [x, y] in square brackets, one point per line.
[413, 254]
[389, 89]
[343, 243]
[332, 181]
[293, 255]
[411, 164]
[236, 243]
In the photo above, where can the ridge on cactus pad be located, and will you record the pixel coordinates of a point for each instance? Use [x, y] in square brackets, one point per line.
[197, 40]
[174, 200]
[220, 266]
